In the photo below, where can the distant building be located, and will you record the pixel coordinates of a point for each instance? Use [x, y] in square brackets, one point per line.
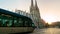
[34, 10]
[34, 14]
[56, 24]
[23, 13]
[20, 12]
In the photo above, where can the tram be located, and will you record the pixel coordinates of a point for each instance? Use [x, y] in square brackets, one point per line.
[11, 22]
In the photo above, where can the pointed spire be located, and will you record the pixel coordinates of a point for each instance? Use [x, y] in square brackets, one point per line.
[35, 3]
[36, 6]
[31, 2]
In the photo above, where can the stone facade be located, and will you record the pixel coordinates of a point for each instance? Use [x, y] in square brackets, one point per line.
[34, 10]
[34, 14]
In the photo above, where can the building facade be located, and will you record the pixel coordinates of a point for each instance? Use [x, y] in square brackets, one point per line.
[24, 13]
[34, 14]
[34, 10]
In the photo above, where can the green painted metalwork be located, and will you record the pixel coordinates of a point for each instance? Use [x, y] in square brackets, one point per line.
[11, 21]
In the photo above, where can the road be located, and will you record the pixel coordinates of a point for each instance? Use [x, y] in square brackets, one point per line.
[47, 31]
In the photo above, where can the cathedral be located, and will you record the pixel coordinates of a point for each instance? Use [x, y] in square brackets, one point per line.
[34, 11]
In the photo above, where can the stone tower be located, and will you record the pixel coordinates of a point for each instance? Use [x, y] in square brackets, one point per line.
[34, 10]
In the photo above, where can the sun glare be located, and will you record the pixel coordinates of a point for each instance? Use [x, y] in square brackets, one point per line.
[49, 19]
[49, 23]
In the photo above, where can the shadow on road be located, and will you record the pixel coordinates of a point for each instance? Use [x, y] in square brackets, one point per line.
[18, 33]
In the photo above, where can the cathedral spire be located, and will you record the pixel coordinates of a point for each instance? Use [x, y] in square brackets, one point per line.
[31, 2]
[34, 10]
[35, 3]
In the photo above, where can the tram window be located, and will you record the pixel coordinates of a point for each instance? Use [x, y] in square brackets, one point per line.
[26, 23]
[0, 23]
[0, 17]
[29, 23]
[15, 21]
[33, 25]
[18, 22]
[5, 20]
[10, 21]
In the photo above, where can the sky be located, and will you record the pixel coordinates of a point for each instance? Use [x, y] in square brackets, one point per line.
[49, 9]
